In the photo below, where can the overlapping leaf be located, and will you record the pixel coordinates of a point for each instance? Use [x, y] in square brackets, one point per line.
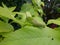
[29, 8]
[32, 32]
[4, 11]
[32, 36]
[7, 12]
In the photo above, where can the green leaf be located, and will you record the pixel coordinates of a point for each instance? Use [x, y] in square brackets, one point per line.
[4, 19]
[40, 11]
[58, 28]
[37, 2]
[57, 21]
[37, 6]
[5, 27]
[12, 9]
[32, 36]
[36, 21]
[4, 11]
[29, 8]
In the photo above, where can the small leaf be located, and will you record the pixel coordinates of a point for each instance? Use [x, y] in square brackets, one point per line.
[57, 21]
[12, 9]
[5, 27]
[6, 12]
[37, 2]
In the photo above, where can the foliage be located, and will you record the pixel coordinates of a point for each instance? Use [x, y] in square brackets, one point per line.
[32, 29]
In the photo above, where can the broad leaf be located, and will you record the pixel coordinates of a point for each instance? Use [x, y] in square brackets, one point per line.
[32, 36]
